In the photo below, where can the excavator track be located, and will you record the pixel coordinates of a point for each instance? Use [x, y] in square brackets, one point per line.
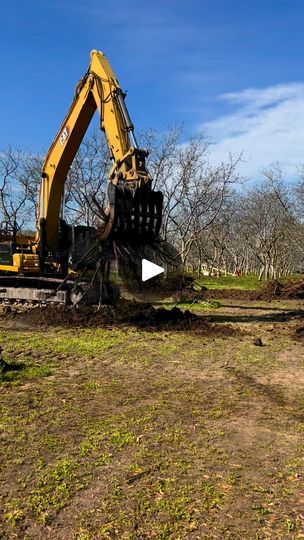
[42, 290]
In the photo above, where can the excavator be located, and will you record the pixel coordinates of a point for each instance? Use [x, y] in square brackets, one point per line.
[48, 267]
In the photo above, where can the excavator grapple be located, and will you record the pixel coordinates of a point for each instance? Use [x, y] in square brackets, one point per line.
[138, 214]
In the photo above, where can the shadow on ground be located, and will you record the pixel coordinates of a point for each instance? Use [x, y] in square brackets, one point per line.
[276, 315]
[145, 316]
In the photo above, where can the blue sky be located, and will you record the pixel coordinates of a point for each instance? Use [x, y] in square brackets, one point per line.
[231, 68]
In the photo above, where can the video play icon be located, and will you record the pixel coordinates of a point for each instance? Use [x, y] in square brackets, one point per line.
[150, 270]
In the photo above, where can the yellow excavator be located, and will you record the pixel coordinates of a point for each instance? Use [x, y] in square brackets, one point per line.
[43, 268]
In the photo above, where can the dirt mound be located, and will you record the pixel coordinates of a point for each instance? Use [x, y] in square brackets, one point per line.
[268, 291]
[231, 294]
[62, 316]
[141, 315]
[299, 333]
[281, 289]
[162, 317]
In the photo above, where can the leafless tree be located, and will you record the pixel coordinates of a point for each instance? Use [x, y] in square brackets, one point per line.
[162, 148]
[20, 174]
[87, 180]
[268, 224]
[16, 208]
[194, 191]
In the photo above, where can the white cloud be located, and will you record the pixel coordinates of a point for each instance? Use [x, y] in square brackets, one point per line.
[267, 125]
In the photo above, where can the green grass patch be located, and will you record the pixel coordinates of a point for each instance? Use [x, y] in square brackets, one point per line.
[196, 304]
[249, 283]
[18, 373]
[86, 341]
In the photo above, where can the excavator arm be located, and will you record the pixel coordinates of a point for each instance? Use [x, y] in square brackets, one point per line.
[98, 89]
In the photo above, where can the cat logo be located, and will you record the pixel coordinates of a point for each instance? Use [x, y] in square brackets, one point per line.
[64, 135]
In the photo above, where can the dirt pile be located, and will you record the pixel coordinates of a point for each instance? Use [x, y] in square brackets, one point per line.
[141, 315]
[161, 317]
[62, 316]
[299, 333]
[230, 294]
[279, 289]
[268, 291]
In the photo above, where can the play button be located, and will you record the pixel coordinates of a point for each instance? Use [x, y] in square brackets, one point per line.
[150, 270]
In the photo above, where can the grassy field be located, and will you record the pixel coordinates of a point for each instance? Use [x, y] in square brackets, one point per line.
[118, 432]
[250, 283]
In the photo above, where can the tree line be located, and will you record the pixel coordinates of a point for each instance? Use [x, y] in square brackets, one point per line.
[218, 221]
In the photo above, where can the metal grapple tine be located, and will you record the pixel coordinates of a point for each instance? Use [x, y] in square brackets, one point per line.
[128, 207]
[136, 210]
[143, 213]
[158, 198]
[151, 208]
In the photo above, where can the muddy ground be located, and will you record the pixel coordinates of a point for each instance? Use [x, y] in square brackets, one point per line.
[191, 428]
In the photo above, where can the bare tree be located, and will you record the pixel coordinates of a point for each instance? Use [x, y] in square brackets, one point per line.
[162, 148]
[29, 176]
[15, 202]
[194, 191]
[20, 175]
[268, 224]
[87, 180]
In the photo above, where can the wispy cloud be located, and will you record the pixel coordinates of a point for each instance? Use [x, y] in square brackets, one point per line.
[266, 124]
